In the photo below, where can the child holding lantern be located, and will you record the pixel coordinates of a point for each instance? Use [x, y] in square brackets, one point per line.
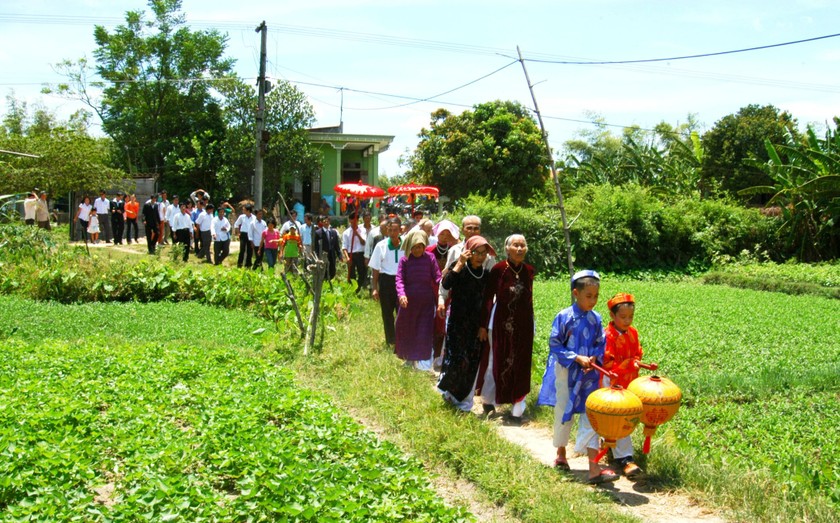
[622, 355]
[576, 342]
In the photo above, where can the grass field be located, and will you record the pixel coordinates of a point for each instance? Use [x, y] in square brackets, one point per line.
[179, 412]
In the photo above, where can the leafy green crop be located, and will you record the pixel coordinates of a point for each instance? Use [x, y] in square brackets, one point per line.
[180, 423]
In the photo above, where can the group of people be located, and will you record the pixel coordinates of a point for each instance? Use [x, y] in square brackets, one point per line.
[36, 210]
[115, 219]
[451, 300]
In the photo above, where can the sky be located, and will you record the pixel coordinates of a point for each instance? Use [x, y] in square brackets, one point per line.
[377, 58]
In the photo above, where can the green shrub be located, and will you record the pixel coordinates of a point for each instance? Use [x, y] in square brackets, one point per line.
[20, 243]
[627, 228]
[542, 229]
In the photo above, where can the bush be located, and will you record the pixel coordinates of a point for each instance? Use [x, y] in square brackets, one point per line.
[542, 228]
[626, 228]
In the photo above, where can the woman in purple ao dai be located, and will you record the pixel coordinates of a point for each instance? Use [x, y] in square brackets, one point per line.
[417, 281]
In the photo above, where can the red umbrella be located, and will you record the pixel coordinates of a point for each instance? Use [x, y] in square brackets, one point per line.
[412, 190]
[359, 190]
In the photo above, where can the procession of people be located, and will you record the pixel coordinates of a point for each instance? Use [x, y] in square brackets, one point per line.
[450, 302]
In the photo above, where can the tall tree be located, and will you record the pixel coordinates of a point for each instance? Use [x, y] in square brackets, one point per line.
[494, 149]
[736, 138]
[288, 156]
[157, 102]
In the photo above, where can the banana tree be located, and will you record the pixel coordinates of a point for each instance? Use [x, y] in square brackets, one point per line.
[807, 191]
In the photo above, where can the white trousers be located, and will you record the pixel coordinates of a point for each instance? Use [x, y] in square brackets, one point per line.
[586, 435]
[488, 390]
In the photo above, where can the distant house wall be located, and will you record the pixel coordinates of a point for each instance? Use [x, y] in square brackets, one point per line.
[345, 158]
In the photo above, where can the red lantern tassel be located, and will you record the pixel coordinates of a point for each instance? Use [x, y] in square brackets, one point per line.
[600, 455]
[646, 447]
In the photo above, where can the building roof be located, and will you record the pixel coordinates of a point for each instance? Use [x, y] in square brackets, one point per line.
[352, 142]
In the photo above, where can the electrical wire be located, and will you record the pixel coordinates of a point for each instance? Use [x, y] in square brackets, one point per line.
[685, 57]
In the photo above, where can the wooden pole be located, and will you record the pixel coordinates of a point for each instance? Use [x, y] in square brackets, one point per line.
[291, 292]
[318, 273]
[553, 171]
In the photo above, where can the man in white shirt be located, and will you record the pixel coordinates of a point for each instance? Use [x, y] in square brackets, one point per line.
[221, 231]
[384, 262]
[353, 249]
[306, 231]
[30, 207]
[165, 227]
[258, 226]
[103, 209]
[292, 221]
[182, 226]
[204, 224]
[243, 228]
[42, 212]
[172, 210]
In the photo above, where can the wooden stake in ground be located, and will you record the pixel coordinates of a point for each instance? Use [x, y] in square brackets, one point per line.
[291, 293]
[319, 270]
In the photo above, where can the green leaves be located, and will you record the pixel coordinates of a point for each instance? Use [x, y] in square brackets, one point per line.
[153, 426]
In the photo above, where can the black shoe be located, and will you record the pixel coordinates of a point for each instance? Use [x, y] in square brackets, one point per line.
[489, 408]
[516, 421]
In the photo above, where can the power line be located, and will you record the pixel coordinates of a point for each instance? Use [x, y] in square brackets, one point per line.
[685, 57]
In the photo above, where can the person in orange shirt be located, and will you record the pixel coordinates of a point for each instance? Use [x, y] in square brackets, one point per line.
[291, 246]
[132, 208]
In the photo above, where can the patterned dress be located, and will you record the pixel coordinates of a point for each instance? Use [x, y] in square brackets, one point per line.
[512, 328]
[463, 348]
[417, 279]
[574, 332]
[621, 350]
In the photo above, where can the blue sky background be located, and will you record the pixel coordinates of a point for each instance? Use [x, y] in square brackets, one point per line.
[423, 48]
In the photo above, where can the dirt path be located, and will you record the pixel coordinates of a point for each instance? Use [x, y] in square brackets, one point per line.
[637, 498]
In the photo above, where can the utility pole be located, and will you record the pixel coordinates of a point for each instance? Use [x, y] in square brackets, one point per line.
[261, 142]
[553, 170]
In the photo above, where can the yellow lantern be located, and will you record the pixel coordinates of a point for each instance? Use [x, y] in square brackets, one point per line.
[661, 400]
[613, 413]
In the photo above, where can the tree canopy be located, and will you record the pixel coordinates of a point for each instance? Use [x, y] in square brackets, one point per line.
[733, 140]
[68, 158]
[288, 155]
[157, 102]
[495, 149]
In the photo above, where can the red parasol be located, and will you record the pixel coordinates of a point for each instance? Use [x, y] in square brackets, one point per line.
[413, 188]
[359, 190]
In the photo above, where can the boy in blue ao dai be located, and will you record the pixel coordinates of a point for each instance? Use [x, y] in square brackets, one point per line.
[576, 341]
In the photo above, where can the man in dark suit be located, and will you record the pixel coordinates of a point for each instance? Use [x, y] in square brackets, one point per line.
[151, 222]
[118, 217]
[326, 240]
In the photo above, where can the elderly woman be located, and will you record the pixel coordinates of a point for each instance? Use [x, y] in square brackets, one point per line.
[508, 314]
[418, 276]
[465, 280]
[447, 234]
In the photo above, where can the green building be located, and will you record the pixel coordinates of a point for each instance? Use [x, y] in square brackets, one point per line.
[346, 158]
